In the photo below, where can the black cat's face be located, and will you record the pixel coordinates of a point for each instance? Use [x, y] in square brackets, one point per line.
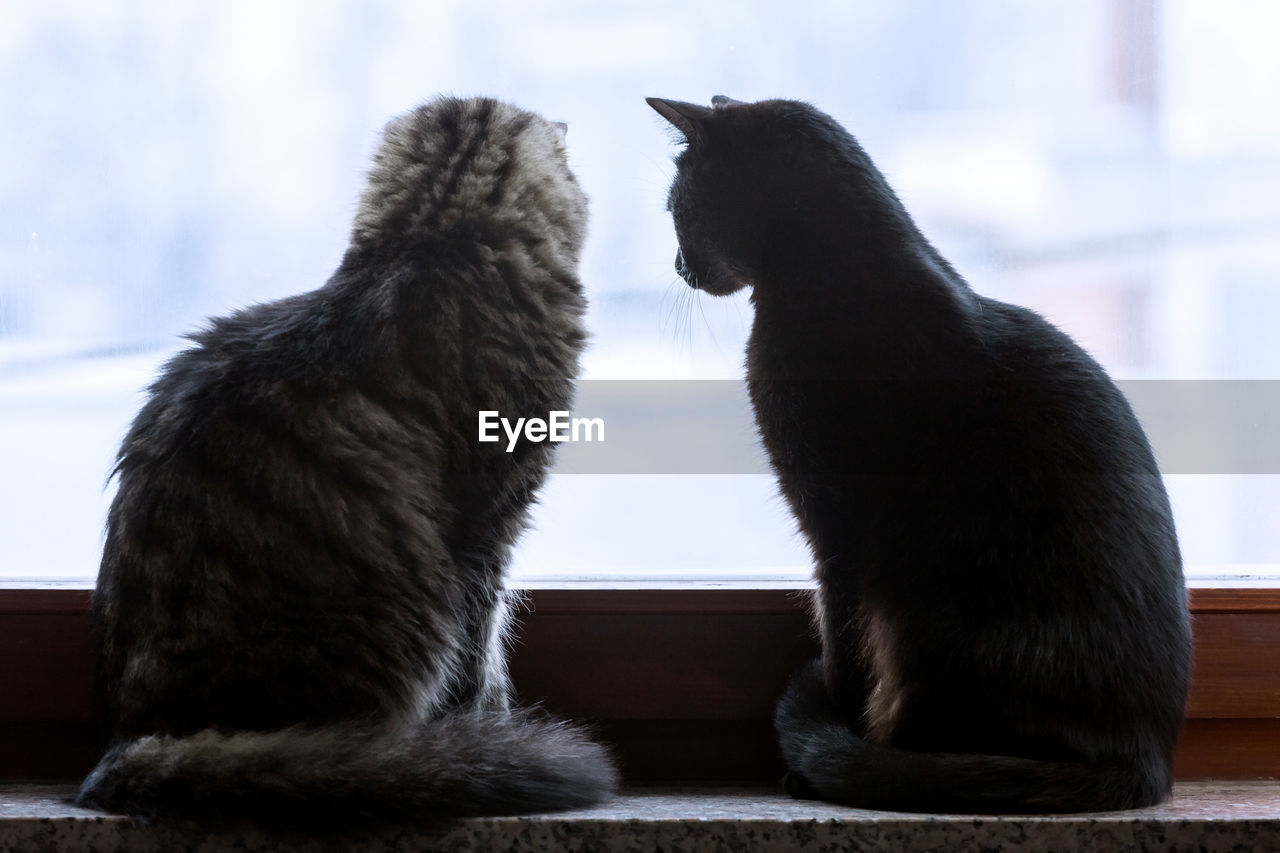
[711, 198]
[757, 187]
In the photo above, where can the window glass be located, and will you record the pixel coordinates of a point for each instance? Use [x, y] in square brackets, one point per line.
[1114, 164]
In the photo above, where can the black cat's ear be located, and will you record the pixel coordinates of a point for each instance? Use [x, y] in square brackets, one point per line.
[722, 100]
[689, 119]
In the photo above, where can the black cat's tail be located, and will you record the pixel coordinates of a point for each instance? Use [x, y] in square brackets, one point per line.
[828, 761]
[465, 764]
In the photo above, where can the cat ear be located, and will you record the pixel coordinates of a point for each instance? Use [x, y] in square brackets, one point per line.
[721, 100]
[687, 118]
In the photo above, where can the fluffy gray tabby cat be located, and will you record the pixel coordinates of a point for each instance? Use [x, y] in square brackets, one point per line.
[301, 602]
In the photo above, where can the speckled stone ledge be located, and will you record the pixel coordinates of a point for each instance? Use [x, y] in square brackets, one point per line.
[1202, 816]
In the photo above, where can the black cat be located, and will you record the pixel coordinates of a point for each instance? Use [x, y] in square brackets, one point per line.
[1001, 601]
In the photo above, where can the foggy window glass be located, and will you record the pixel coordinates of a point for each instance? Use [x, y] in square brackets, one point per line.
[1113, 164]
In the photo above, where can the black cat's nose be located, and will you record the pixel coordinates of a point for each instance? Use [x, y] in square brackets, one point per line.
[682, 269]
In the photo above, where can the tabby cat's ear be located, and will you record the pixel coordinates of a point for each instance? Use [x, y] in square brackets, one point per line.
[722, 100]
[689, 119]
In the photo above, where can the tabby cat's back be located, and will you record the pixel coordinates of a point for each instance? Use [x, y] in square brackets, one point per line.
[301, 600]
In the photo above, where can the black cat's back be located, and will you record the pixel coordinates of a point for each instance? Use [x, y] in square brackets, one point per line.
[1000, 596]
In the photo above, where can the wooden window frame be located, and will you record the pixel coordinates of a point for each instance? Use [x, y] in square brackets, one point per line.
[681, 682]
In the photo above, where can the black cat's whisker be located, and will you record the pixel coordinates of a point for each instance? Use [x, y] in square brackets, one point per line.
[677, 331]
[710, 331]
[683, 337]
[663, 309]
[691, 301]
[669, 306]
[677, 316]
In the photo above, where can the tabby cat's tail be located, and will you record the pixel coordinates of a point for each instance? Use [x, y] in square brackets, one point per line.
[464, 764]
[828, 761]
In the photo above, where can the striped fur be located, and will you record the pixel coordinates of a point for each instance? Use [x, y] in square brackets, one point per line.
[301, 595]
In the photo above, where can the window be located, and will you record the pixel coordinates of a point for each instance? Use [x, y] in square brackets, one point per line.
[1114, 164]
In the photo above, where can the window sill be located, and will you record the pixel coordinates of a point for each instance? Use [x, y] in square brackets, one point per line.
[681, 683]
[1233, 577]
[1204, 816]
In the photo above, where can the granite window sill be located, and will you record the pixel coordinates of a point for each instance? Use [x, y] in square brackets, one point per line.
[1201, 816]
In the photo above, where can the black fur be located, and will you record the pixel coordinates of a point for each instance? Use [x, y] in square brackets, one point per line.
[1001, 601]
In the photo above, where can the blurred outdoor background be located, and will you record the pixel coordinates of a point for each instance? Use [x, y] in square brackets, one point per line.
[1114, 164]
